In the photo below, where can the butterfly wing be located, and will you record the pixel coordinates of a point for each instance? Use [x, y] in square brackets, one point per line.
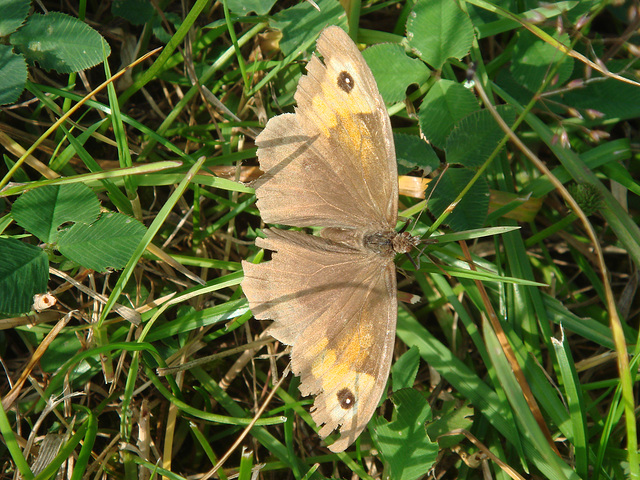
[337, 306]
[332, 163]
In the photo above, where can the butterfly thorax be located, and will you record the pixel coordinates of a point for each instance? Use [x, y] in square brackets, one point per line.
[389, 242]
[383, 242]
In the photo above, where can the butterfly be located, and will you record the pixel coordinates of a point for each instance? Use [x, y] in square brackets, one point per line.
[332, 296]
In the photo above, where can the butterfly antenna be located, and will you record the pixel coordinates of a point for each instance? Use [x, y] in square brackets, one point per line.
[404, 227]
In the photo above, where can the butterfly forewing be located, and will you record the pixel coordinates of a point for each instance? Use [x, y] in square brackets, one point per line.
[336, 154]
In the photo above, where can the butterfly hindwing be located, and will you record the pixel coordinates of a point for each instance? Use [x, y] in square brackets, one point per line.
[337, 307]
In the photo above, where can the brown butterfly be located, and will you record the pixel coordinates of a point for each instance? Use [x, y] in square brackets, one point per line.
[332, 297]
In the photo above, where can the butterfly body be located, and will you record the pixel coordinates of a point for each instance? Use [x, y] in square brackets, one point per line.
[332, 297]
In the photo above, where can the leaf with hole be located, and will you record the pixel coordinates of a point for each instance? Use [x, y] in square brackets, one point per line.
[107, 243]
[59, 42]
[42, 210]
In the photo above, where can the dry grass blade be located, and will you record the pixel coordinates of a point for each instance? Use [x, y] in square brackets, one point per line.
[13, 394]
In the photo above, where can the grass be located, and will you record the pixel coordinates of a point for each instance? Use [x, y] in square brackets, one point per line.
[521, 357]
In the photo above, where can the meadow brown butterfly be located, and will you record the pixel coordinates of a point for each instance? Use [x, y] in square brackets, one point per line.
[332, 297]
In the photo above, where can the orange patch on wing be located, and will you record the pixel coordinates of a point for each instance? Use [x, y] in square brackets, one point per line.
[356, 343]
[353, 350]
[325, 114]
[324, 364]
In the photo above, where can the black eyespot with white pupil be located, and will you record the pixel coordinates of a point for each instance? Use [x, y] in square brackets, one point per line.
[346, 82]
[346, 399]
